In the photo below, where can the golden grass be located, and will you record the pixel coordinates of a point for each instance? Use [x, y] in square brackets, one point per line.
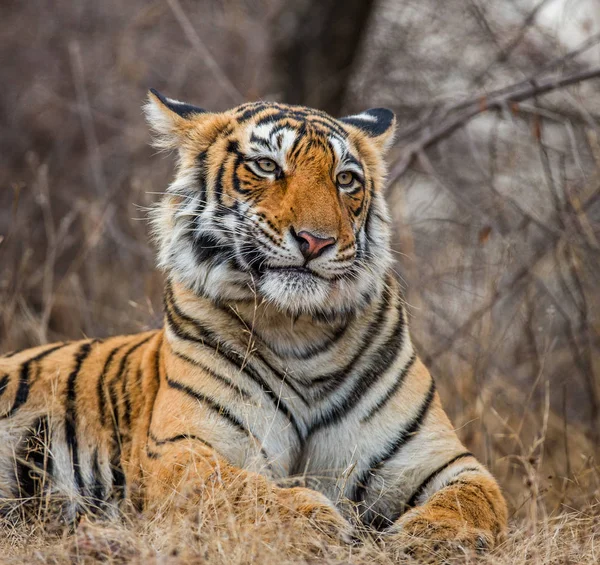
[568, 537]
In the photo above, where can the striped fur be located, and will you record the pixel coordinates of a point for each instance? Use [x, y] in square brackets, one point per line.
[271, 364]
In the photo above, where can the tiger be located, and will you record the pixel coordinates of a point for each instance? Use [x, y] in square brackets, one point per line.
[285, 360]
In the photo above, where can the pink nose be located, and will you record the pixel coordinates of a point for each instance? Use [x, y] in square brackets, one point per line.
[311, 246]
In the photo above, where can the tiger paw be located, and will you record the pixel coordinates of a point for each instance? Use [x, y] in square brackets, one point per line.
[429, 540]
[316, 509]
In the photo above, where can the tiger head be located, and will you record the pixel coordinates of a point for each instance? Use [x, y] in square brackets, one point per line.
[276, 202]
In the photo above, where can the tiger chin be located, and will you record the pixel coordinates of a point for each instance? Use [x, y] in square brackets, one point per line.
[285, 357]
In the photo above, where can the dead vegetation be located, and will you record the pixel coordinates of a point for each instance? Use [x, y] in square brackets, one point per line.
[496, 196]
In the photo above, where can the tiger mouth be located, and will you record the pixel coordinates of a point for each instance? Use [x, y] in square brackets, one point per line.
[299, 272]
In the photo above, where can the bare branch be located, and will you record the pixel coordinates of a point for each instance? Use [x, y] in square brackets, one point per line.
[462, 113]
[433, 115]
[506, 51]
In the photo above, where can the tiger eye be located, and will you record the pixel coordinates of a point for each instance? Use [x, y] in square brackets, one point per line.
[345, 178]
[267, 165]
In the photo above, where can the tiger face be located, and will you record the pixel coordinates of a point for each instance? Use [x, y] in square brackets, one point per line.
[276, 203]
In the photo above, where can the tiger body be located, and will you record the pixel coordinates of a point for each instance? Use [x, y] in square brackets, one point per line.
[285, 352]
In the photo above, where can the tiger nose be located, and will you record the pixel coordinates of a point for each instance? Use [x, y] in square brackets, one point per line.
[311, 246]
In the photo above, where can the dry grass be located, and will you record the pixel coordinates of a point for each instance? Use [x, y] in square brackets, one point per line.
[569, 537]
[498, 246]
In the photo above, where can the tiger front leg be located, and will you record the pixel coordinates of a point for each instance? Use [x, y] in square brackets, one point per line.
[192, 477]
[468, 513]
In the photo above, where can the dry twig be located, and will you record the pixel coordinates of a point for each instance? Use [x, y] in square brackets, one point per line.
[460, 114]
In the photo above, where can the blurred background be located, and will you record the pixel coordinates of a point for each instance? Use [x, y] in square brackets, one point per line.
[495, 196]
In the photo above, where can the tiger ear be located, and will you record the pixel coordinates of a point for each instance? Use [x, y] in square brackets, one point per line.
[169, 119]
[378, 123]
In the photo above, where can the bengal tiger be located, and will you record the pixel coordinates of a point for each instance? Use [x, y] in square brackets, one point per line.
[285, 350]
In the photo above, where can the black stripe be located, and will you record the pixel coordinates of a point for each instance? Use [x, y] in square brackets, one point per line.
[305, 117]
[362, 196]
[123, 378]
[233, 147]
[312, 350]
[274, 117]
[177, 330]
[329, 127]
[157, 364]
[11, 354]
[251, 112]
[245, 367]
[412, 501]
[277, 398]
[139, 377]
[349, 158]
[280, 376]
[174, 439]
[118, 431]
[177, 438]
[368, 227]
[24, 379]
[236, 182]
[333, 380]
[381, 361]
[277, 130]
[71, 414]
[119, 483]
[34, 464]
[125, 357]
[3, 384]
[126, 405]
[209, 339]
[223, 380]
[201, 179]
[98, 489]
[300, 136]
[100, 387]
[118, 479]
[218, 187]
[327, 345]
[260, 141]
[405, 435]
[392, 391]
[114, 402]
[208, 247]
[156, 376]
[253, 256]
[217, 409]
